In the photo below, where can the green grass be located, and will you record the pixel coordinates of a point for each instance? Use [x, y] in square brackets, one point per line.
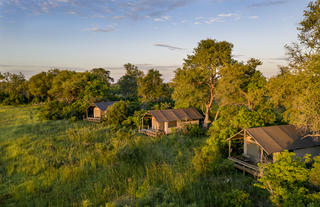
[64, 163]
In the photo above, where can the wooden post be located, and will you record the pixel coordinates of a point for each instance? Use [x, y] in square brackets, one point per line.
[229, 147]
[261, 155]
[142, 123]
[87, 113]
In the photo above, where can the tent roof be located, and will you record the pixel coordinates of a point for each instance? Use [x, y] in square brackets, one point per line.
[282, 137]
[176, 114]
[104, 105]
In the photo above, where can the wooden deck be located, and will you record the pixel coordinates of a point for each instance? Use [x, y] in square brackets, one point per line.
[246, 166]
[151, 132]
[94, 119]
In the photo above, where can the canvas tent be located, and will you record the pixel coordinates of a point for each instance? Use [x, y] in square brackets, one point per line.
[166, 120]
[97, 110]
[263, 144]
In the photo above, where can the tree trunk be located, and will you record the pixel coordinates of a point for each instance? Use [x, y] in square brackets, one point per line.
[217, 114]
[206, 118]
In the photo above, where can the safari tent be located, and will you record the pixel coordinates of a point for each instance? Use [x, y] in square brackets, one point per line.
[96, 111]
[263, 144]
[166, 121]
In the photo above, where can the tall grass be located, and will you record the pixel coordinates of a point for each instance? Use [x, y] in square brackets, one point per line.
[64, 163]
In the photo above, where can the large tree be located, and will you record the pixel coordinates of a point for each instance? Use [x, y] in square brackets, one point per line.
[296, 90]
[195, 83]
[128, 85]
[151, 87]
[241, 84]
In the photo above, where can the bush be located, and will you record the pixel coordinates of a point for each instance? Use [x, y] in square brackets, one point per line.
[117, 113]
[52, 110]
[287, 180]
[236, 198]
[193, 130]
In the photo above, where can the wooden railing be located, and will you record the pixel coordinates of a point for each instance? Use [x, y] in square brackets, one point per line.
[245, 166]
[151, 132]
[94, 119]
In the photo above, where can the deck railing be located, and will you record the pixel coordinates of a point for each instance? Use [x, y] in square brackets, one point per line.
[94, 119]
[151, 132]
[246, 166]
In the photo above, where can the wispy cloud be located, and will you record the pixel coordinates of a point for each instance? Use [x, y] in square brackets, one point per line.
[266, 3]
[279, 59]
[161, 19]
[118, 17]
[253, 17]
[227, 15]
[115, 9]
[196, 23]
[213, 20]
[98, 29]
[170, 47]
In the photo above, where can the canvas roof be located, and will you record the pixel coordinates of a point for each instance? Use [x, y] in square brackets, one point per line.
[104, 105]
[176, 114]
[282, 137]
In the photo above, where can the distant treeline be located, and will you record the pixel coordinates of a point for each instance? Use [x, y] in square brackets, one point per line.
[230, 93]
[67, 94]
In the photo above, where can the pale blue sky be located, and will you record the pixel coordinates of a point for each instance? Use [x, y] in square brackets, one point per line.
[36, 35]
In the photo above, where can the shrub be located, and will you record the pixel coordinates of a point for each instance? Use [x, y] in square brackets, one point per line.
[236, 198]
[117, 113]
[52, 110]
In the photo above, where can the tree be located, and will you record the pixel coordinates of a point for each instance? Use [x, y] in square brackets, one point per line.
[288, 181]
[151, 87]
[296, 90]
[40, 84]
[117, 113]
[128, 83]
[300, 53]
[195, 84]
[14, 89]
[104, 74]
[241, 84]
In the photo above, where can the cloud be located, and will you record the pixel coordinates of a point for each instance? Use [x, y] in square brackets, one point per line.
[135, 9]
[253, 17]
[227, 15]
[267, 3]
[97, 29]
[168, 46]
[213, 20]
[279, 59]
[161, 19]
[196, 23]
[118, 17]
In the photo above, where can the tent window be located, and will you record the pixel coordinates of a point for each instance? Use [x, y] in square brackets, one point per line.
[172, 124]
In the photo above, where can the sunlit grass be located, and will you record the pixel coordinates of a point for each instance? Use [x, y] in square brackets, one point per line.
[64, 163]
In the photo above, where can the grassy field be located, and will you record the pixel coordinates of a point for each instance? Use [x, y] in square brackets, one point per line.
[64, 163]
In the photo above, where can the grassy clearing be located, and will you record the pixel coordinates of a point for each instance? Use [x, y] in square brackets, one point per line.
[63, 163]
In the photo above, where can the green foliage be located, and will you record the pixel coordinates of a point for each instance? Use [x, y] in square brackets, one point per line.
[117, 113]
[151, 87]
[241, 84]
[287, 180]
[195, 84]
[128, 85]
[237, 198]
[13, 89]
[63, 163]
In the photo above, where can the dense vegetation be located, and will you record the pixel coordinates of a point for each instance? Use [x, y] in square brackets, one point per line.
[64, 163]
[49, 157]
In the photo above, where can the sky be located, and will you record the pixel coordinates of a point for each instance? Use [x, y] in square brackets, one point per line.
[38, 35]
